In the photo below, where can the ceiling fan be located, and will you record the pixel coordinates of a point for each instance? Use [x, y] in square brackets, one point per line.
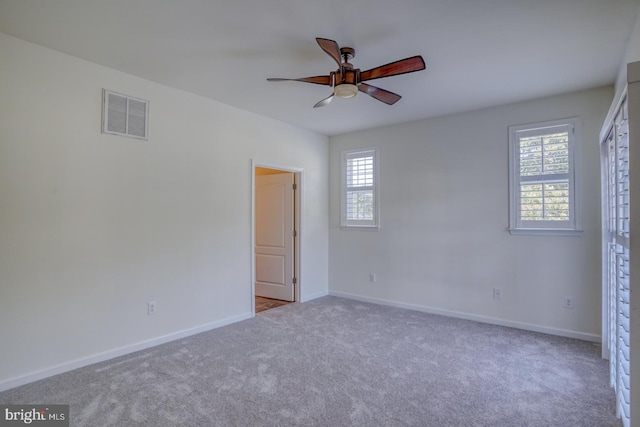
[347, 81]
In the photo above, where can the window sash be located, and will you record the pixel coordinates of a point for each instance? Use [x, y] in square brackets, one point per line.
[544, 154]
[545, 200]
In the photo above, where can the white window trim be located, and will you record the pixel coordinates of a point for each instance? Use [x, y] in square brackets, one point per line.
[353, 225]
[546, 228]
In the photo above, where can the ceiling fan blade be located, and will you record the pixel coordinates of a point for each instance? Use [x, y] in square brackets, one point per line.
[332, 49]
[324, 102]
[385, 96]
[403, 66]
[319, 80]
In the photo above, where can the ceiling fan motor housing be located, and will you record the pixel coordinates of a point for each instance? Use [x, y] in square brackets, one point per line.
[345, 80]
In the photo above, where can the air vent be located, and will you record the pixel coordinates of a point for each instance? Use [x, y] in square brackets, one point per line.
[124, 115]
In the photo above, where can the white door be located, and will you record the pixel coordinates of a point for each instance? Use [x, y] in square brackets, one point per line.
[616, 241]
[274, 207]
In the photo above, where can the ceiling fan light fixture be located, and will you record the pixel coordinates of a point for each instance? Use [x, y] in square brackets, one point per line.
[345, 90]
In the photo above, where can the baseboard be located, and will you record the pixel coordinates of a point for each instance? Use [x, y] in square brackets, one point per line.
[117, 352]
[314, 296]
[475, 317]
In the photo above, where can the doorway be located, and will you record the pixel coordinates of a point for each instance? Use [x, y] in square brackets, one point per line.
[275, 231]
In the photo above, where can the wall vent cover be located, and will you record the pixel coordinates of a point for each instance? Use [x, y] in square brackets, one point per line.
[124, 115]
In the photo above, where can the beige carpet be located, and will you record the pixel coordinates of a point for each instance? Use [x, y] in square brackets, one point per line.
[336, 362]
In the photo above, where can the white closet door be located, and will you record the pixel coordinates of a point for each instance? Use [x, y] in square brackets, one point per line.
[616, 201]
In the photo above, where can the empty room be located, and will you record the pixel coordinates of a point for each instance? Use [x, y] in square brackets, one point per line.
[339, 213]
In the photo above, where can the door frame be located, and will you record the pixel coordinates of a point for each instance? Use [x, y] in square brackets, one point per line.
[297, 221]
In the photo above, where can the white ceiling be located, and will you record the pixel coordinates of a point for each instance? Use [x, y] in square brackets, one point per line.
[479, 53]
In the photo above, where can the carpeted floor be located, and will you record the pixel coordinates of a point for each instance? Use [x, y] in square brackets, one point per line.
[336, 362]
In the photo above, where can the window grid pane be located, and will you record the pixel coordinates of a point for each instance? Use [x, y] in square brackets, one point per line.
[545, 201]
[360, 205]
[544, 154]
[611, 173]
[622, 213]
[360, 172]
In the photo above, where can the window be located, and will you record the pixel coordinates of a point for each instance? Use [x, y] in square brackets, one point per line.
[360, 189]
[542, 178]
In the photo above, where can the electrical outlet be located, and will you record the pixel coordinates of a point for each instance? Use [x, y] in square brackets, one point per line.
[372, 277]
[568, 302]
[497, 293]
[152, 307]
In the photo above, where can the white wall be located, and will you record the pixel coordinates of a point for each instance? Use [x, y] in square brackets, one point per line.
[443, 244]
[93, 226]
[632, 54]
[634, 246]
